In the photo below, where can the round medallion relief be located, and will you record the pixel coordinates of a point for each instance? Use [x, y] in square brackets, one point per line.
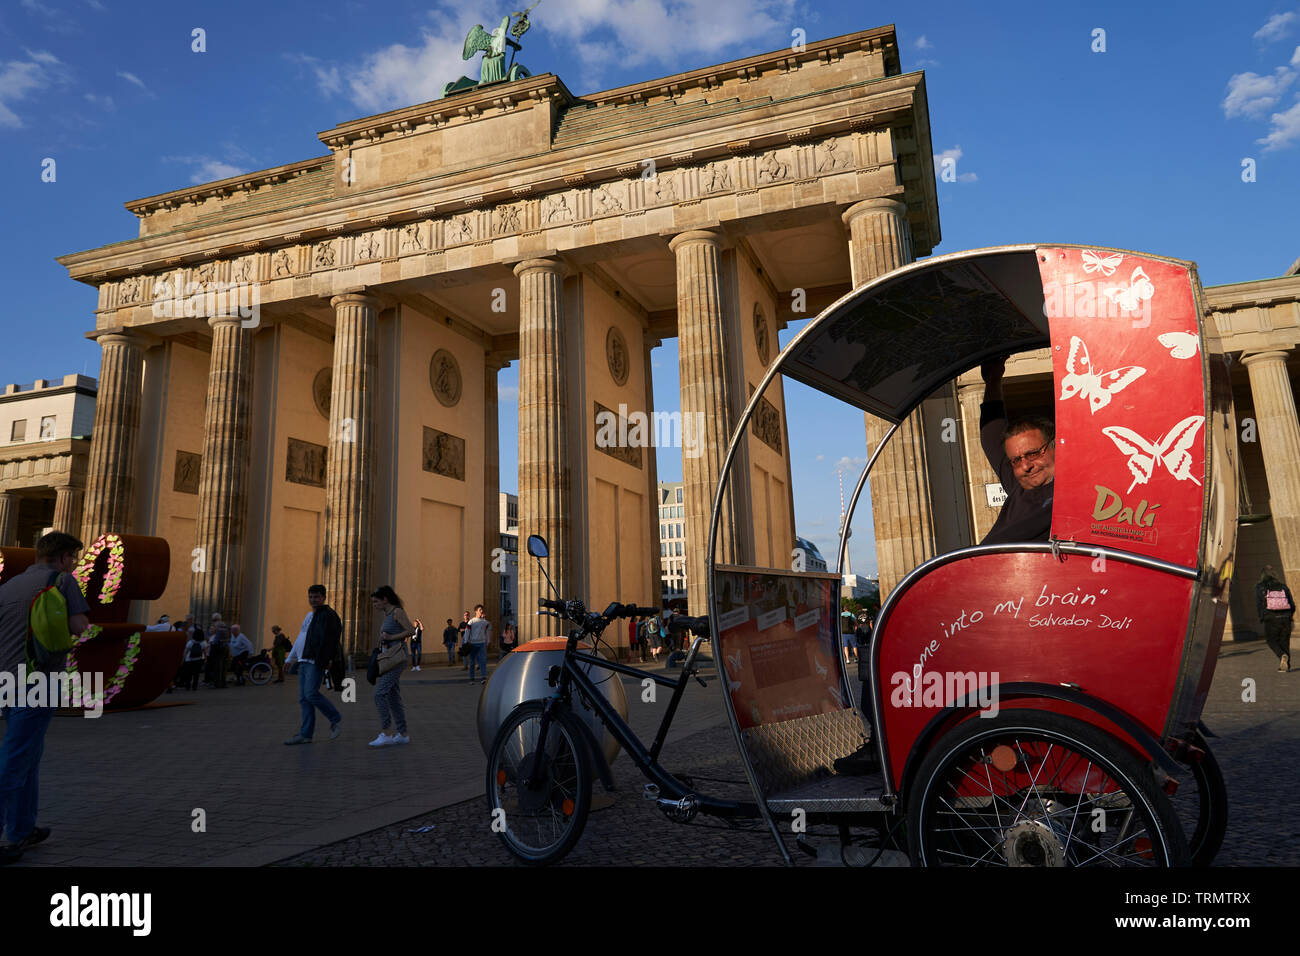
[762, 341]
[320, 391]
[616, 355]
[444, 377]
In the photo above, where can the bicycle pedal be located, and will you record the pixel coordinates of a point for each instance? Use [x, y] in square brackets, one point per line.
[650, 792]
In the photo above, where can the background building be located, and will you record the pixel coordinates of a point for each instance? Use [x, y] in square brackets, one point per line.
[813, 560]
[45, 444]
[672, 540]
[509, 596]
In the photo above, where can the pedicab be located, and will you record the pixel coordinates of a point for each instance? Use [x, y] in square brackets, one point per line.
[1027, 704]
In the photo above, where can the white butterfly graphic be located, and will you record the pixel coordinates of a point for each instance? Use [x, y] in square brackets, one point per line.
[1181, 345]
[835, 693]
[734, 661]
[1105, 264]
[1139, 289]
[1172, 450]
[821, 668]
[1083, 379]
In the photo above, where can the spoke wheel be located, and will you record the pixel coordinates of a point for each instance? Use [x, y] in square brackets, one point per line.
[260, 673]
[539, 798]
[1211, 808]
[1030, 788]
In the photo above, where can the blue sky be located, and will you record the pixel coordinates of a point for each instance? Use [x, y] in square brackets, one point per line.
[1140, 146]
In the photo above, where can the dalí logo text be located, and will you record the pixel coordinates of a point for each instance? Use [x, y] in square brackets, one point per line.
[1111, 505]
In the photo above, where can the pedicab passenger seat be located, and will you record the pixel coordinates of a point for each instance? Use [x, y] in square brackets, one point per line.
[793, 760]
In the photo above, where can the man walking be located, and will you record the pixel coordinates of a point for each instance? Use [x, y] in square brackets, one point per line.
[449, 635]
[25, 727]
[317, 648]
[462, 636]
[480, 633]
[1275, 607]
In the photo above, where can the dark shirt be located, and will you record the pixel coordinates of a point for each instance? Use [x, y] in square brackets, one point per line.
[321, 645]
[1261, 598]
[449, 635]
[1026, 514]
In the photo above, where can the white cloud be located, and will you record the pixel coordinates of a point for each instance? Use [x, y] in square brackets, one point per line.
[1250, 94]
[103, 102]
[96, 5]
[1278, 26]
[18, 78]
[676, 33]
[849, 464]
[954, 154]
[206, 169]
[1295, 57]
[507, 393]
[1286, 128]
[923, 44]
[327, 77]
[132, 78]
[401, 75]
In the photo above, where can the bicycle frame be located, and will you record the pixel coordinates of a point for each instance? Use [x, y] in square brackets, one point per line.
[647, 761]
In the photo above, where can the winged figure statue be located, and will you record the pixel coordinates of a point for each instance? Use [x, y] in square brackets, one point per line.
[493, 47]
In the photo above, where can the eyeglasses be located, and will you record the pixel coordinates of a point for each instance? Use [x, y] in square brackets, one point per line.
[1031, 456]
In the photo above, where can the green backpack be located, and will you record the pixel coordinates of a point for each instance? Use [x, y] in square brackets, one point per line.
[47, 626]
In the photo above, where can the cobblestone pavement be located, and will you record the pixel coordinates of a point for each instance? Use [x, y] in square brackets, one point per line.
[1257, 746]
[123, 790]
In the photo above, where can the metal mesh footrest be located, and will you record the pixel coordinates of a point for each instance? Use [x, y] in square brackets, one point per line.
[793, 752]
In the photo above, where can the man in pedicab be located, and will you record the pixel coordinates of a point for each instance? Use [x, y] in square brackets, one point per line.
[1022, 453]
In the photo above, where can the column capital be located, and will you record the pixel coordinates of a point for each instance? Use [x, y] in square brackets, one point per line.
[358, 297]
[119, 337]
[652, 343]
[215, 321]
[1264, 358]
[874, 205]
[554, 266]
[970, 388]
[696, 235]
[495, 361]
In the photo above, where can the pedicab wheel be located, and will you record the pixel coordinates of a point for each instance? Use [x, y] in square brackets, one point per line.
[260, 673]
[1212, 809]
[1031, 788]
[539, 802]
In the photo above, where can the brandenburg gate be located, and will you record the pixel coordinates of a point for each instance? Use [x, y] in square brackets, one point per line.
[299, 369]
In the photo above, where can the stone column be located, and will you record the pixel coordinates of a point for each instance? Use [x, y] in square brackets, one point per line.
[1279, 443]
[705, 400]
[978, 472]
[544, 490]
[218, 577]
[349, 481]
[879, 242]
[655, 597]
[67, 510]
[110, 476]
[491, 497]
[8, 519]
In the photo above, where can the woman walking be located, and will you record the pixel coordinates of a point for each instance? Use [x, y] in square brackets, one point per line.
[393, 633]
[417, 645]
[280, 648]
[508, 640]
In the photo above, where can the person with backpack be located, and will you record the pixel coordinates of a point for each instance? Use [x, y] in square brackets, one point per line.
[1276, 608]
[192, 667]
[450, 637]
[280, 648]
[48, 589]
